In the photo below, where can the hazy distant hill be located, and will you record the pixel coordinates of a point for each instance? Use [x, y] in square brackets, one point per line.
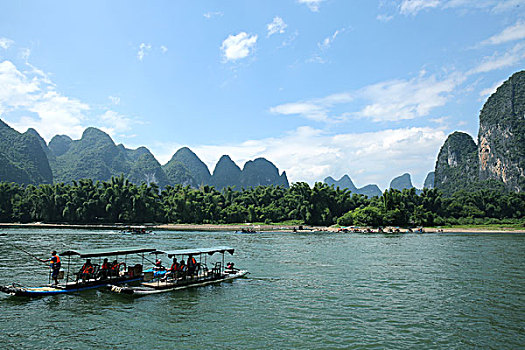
[401, 182]
[346, 182]
[22, 158]
[370, 191]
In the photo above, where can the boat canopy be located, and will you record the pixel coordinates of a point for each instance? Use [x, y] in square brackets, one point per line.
[107, 252]
[196, 251]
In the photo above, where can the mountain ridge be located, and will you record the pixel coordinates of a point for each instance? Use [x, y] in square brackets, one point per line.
[27, 159]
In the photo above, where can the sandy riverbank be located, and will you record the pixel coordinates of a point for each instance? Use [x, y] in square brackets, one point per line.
[239, 227]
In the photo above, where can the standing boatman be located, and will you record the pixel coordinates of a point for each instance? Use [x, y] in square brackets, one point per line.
[55, 265]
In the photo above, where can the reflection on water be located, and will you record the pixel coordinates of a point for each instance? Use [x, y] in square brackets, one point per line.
[304, 291]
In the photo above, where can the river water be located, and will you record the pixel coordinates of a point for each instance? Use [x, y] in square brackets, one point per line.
[304, 291]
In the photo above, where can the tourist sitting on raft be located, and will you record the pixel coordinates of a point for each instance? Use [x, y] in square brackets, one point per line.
[86, 271]
[158, 266]
[105, 269]
[183, 269]
[192, 265]
[173, 271]
[115, 268]
[230, 267]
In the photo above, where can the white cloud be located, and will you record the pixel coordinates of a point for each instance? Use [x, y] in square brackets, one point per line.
[512, 33]
[327, 42]
[5, 43]
[307, 110]
[288, 41]
[277, 26]
[391, 100]
[384, 17]
[30, 99]
[143, 50]
[315, 109]
[316, 58]
[239, 46]
[57, 114]
[114, 122]
[25, 53]
[209, 15]
[16, 90]
[114, 99]
[490, 90]
[313, 5]
[412, 7]
[407, 99]
[506, 5]
[440, 121]
[163, 48]
[309, 154]
[498, 61]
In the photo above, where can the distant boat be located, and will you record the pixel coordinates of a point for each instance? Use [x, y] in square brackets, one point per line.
[202, 275]
[136, 230]
[96, 279]
[247, 230]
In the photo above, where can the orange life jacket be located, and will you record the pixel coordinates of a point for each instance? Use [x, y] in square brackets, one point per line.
[105, 266]
[55, 264]
[193, 261]
[87, 268]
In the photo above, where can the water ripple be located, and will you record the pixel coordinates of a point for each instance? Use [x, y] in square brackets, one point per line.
[322, 291]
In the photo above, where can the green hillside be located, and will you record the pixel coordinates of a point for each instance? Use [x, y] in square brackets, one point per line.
[22, 158]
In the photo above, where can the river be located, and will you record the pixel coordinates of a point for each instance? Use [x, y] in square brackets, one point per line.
[304, 291]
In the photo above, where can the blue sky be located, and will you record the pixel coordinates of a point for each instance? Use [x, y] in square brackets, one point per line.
[320, 87]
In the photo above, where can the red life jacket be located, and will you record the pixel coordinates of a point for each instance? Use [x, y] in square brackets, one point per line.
[58, 259]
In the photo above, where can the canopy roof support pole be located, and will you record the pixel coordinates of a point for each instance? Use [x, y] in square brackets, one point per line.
[68, 263]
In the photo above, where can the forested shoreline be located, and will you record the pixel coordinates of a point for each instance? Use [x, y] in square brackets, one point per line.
[120, 201]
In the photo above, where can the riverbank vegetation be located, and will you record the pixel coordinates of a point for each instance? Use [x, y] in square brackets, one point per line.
[120, 201]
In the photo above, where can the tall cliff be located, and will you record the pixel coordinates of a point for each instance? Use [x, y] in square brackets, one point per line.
[226, 173]
[95, 156]
[457, 163]
[22, 157]
[501, 136]
[429, 181]
[262, 172]
[186, 168]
